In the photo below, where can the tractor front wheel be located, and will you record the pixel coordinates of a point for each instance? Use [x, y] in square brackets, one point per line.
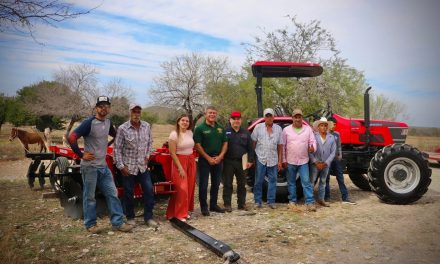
[399, 174]
[360, 180]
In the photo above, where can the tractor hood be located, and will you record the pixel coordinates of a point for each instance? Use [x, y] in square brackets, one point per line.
[286, 69]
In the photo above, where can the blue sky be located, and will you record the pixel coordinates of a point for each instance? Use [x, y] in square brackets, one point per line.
[395, 43]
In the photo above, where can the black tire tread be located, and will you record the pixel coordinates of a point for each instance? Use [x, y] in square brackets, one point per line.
[62, 163]
[379, 163]
[360, 181]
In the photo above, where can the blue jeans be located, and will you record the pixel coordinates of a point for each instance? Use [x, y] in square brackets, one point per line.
[262, 170]
[205, 169]
[336, 167]
[147, 190]
[103, 179]
[305, 182]
[322, 176]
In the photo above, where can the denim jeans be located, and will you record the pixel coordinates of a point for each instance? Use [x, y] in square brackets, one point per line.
[305, 182]
[336, 167]
[103, 179]
[262, 170]
[147, 194]
[322, 176]
[205, 169]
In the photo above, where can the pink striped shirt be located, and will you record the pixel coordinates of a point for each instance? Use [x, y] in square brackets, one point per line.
[296, 145]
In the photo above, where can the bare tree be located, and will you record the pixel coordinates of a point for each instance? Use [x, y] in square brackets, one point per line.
[82, 81]
[120, 96]
[383, 107]
[52, 99]
[22, 16]
[184, 81]
[302, 42]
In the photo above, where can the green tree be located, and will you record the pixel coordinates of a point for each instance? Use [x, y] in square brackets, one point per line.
[340, 86]
[149, 117]
[47, 101]
[234, 95]
[3, 108]
[17, 115]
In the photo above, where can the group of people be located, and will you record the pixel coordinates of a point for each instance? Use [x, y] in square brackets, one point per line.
[298, 148]
[308, 151]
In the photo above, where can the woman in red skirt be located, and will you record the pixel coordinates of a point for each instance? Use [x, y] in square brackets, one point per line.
[183, 170]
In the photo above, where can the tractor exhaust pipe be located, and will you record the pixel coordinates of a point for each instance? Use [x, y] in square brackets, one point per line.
[367, 116]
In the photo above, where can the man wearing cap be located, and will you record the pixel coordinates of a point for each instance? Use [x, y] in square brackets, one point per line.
[336, 168]
[323, 157]
[266, 139]
[132, 150]
[94, 170]
[298, 141]
[211, 143]
[239, 143]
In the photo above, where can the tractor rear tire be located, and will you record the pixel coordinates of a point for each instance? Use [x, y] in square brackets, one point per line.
[399, 174]
[360, 180]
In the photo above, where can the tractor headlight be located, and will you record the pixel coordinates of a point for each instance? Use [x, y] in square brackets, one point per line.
[69, 170]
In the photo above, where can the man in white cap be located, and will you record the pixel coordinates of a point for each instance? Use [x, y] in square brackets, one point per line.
[131, 151]
[266, 139]
[323, 157]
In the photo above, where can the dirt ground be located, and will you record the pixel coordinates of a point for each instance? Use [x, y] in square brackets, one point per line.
[34, 230]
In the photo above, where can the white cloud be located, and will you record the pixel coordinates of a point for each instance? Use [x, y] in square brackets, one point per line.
[395, 43]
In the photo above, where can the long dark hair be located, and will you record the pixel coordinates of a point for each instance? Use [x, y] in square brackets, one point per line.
[177, 125]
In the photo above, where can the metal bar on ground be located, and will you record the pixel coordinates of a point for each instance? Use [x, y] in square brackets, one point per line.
[216, 246]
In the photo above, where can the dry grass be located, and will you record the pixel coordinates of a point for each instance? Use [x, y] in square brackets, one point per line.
[160, 134]
[27, 225]
[424, 143]
[12, 150]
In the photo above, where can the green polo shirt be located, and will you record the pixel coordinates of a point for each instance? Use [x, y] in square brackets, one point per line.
[211, 138]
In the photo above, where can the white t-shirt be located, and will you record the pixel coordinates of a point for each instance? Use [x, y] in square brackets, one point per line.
[186, 143]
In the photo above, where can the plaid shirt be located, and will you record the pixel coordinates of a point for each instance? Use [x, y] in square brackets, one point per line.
[267, 145]
[132, 147]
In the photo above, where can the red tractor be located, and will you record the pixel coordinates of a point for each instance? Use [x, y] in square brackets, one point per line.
[374, 151]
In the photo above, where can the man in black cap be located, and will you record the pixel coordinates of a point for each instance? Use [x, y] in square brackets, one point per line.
[239, 143]
[94, 170]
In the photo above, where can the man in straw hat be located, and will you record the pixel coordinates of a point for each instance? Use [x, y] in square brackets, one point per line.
[323, 157]
[336, 167]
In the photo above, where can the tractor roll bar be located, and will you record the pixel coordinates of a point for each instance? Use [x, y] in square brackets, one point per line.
[280, 69]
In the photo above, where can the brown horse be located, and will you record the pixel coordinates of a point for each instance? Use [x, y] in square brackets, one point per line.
[27, 138]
